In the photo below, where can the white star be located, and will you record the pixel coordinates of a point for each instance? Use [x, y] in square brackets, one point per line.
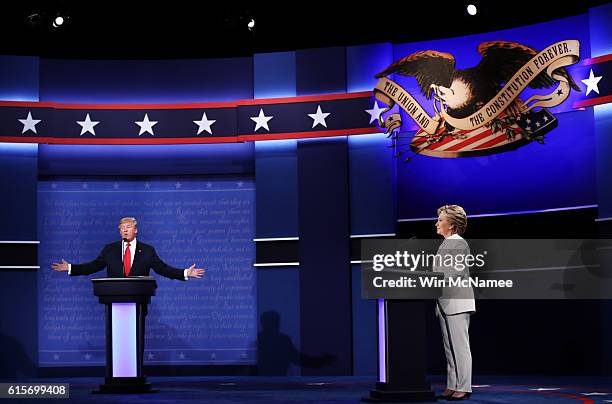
[375, 112]
[209, 185]
[205, 124]
[88, 126]
[240, 184]
[116, 186]
[528, 127]
[538, 124]
[150, 356]
[29, 123]
[261, 120]
[319, 117]
[213, 355]
[54, 185]
[85, 186]
[545, 119]
[528, 120]
[56, 357]
[182, 356]
[178, 185]
[146, 125]
[87, 356]
[147, 185]
[591, 83]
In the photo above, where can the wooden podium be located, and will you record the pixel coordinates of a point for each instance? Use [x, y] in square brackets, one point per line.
[126, 301]
[402, 362]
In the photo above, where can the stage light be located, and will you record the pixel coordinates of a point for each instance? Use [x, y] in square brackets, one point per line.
[251, 24]
[58, 21]
[471, 9]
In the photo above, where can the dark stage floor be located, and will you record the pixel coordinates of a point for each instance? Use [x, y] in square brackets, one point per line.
[321, 390]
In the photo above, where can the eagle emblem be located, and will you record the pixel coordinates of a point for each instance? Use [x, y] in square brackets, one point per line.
[478, 110]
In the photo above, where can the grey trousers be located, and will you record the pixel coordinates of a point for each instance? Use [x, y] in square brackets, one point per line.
[457, 348]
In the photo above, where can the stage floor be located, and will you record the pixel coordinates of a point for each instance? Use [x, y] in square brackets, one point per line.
[337, 390]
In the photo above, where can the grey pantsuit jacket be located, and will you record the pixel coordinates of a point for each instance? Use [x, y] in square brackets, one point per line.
[455, 300]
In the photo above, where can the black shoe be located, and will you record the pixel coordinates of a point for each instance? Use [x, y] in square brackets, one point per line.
[444, 396]
[465, 397]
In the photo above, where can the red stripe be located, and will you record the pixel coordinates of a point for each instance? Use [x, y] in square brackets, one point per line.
[492, 142]
[33, 139]
[469, 141]
[189, 140]
[27, 104]
[308, 98]
[598, 59]
[584, 400]
[592, 101]
[301, 135]
[192, 105]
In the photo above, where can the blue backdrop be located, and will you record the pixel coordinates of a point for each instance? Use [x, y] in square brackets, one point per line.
[202, 220]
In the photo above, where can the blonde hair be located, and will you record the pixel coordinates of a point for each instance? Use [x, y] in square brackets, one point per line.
[456, 216]
[128, 219]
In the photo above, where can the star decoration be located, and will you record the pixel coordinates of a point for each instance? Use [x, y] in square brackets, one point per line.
[116, 186]
[204, 124]
[29, 123]
[375, 112]
[149, 356]
[209, 185]
[591, 83]
[146, 125]
[261, 121]
[319, 117]
[240, 184]
[147, 186]
[88, 126]
[178, 185]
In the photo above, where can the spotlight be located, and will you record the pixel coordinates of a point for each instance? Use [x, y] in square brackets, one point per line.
[251, 24]
[58, 21]
[471, 9]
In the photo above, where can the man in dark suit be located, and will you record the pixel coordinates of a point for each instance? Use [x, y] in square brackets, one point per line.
[128, 257]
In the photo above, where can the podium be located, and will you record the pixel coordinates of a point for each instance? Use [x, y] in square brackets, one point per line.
[402, 361]
[126, 301]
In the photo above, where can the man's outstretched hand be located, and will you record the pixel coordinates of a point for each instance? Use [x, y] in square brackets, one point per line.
[192, 272]
[60, 266]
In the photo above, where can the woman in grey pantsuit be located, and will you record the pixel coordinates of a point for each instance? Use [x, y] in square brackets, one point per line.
[456, 304]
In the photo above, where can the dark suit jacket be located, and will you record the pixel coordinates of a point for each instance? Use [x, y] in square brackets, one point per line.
[145, 258]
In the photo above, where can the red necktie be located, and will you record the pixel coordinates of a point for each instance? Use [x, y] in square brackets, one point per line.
[127, 261]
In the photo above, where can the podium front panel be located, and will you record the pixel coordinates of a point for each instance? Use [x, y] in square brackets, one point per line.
[124, 347]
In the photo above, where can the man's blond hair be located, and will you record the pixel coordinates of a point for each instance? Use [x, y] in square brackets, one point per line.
[128, 219]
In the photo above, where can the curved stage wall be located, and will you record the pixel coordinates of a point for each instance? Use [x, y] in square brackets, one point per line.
[315, 192]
